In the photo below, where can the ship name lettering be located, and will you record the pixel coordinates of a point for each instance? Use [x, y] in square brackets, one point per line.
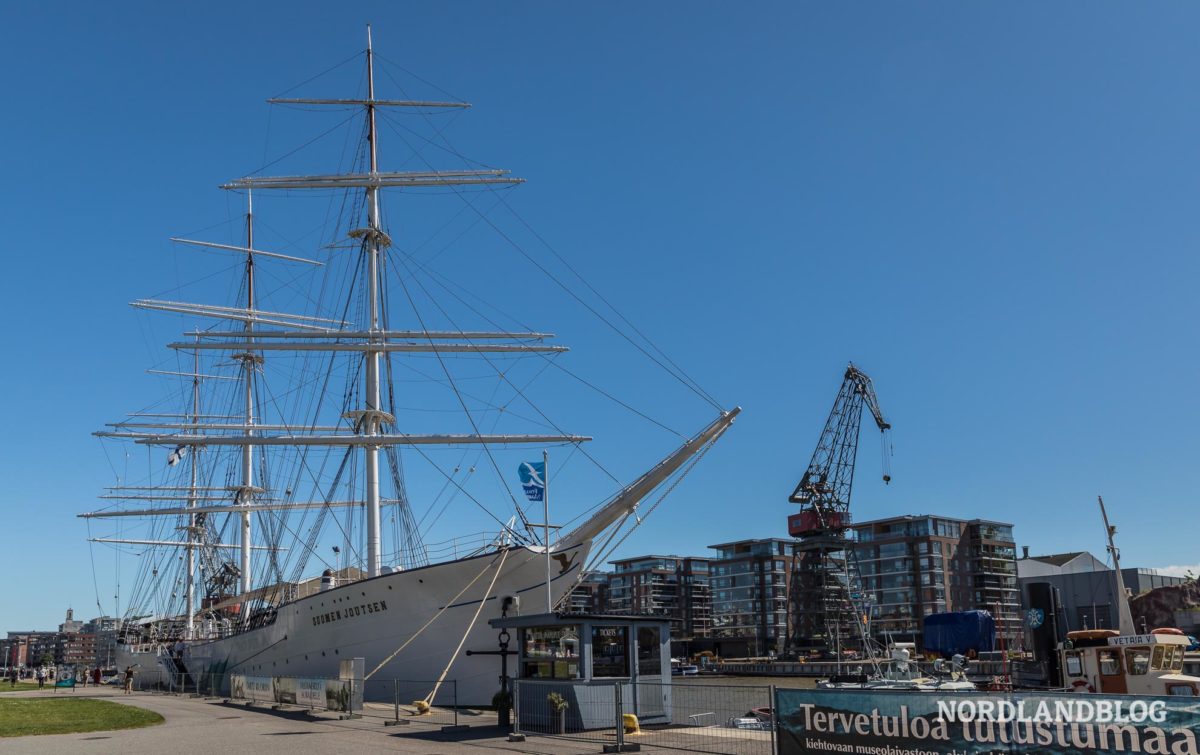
[336, 615]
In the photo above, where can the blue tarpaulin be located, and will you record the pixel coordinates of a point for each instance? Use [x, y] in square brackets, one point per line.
[958, 632]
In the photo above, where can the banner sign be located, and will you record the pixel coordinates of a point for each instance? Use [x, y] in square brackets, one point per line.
[331, 694]
[880, 722]
[310, 692]
[533, 479]
[65, 676]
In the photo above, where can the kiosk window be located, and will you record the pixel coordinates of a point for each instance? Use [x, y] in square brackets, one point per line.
[649, 652]
[551, 652]
[1110, 662]
[1137, 660]
[610, 651]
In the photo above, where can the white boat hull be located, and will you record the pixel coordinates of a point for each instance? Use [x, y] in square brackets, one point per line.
[374, 618]
[150, 668]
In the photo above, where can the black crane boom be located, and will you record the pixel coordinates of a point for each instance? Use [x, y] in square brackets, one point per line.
[824, 585]
[824, 490]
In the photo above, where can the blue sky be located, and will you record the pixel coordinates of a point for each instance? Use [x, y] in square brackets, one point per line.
[987, 206]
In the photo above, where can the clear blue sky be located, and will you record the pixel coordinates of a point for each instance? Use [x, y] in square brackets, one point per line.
[990, 207]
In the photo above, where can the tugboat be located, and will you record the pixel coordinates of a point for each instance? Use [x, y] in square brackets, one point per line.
[1124, 662]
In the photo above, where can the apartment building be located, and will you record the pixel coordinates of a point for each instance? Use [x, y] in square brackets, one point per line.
[915, 565]
[673, 586]
[590, 596]
[749, 585]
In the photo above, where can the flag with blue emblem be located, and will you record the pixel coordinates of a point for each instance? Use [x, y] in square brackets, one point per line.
[533, 479]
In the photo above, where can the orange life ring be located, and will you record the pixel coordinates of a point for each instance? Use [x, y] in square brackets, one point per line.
[1079, 684]
[1166, 630]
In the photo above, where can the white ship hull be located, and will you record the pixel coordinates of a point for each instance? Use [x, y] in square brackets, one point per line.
[150, 667]
[373, 618]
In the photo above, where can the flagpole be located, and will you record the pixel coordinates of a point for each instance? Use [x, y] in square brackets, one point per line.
[546, 521]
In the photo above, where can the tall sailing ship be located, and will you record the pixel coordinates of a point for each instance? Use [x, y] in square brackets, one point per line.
[292, 452]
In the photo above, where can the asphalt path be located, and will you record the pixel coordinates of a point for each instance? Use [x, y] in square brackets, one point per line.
[210, 726]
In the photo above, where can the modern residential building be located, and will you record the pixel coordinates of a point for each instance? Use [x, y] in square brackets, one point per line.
[912, 566]
[671, 586]
[30, 649]
[590, 596]
[749, 584]
[106, 629]
[76, 648]
[14, 650]
[1086, 586]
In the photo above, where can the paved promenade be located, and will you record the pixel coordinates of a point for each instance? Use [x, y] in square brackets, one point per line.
[207, 726]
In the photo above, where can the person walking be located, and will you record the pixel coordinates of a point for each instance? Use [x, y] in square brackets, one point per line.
[87, 672]
[129, 680]
[41, 677]
[12, 677]
[96, 676]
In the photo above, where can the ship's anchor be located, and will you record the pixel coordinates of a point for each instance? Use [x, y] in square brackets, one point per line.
[503, 698]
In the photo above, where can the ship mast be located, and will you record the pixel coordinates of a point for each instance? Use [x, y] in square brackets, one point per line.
[192, 502]
[1124, 615]
[371, 418]
[245, 492]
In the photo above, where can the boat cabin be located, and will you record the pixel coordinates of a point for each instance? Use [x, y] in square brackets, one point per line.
[1105, 661]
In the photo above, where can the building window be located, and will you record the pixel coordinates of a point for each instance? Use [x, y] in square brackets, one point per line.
[610, 651]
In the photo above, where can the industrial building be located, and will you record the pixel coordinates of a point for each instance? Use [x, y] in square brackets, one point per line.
[1086, 586]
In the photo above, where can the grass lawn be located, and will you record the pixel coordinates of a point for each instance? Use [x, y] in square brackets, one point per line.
[22, 716]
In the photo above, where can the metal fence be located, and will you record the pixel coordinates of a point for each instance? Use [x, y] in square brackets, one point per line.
[687, 717]
[404, 702]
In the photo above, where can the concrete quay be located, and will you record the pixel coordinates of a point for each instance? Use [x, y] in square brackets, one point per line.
[199, 725]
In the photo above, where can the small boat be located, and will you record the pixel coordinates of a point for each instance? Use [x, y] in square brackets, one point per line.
[1123, 661]
[899, 672]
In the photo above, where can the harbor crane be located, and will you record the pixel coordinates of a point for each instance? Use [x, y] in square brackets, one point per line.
[823, 593]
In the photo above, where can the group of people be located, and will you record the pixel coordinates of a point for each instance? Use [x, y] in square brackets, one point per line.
[93, 675]
[90, 675]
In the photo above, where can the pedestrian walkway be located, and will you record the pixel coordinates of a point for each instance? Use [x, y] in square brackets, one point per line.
[207, 726]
